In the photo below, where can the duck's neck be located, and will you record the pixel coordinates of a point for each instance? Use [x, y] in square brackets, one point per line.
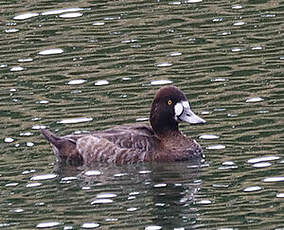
[167, 133]
[167, 129]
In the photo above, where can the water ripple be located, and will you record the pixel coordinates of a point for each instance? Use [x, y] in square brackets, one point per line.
[209, 137]
[252, 189]
[51, 51]
[102, 201]
[274, 179]
[44, 177]
[76, 82]
[75, 120]
[61, 11]
[261, 159]
[25, 16]
[71, 15]
[90, 225]
[101, 69]
[48, 224]
[161, 82]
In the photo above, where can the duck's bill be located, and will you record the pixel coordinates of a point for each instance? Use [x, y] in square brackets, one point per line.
[190, 117]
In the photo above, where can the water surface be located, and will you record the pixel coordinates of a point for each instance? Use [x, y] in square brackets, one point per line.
[79, 66]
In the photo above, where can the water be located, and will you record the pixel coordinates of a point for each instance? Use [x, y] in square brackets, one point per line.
[81, 65]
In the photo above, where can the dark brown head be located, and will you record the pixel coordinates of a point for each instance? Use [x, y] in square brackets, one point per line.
[170, 106]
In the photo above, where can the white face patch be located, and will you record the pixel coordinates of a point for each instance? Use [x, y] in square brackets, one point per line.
[185, 104]
[178, 109]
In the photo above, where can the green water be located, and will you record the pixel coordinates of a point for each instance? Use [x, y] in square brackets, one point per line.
[99, 63]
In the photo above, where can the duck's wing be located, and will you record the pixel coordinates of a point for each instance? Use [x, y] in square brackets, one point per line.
[122, 144]
[130, 137]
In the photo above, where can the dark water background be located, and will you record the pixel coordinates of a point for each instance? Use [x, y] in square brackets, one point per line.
[84, 65]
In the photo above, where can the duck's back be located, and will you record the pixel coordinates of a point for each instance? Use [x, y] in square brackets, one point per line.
[121, 144]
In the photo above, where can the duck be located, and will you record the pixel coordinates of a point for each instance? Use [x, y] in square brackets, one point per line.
[161, 141]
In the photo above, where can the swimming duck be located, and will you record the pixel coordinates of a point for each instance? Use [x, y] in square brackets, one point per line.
[162, 142]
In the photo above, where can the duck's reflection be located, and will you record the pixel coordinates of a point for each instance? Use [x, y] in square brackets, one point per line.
[159, 194]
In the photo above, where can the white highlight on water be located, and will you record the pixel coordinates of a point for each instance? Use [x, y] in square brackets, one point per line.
[274, 179]
[8, 139]
[93, 173]
[263, 158]
[101, 82]
[48, 224]
[51, 51]
[75, 120]
[102, 201]
[44, 177]
[254, 99]
[209, 137]
[90, 225]
[164, 64]
[252, 189]
[32, 185]
[161, 82]
[16, 69]
[71, 15]
[61, 11]
[25, 16]
[106, 195]
[76, 82]
[153, 227]
[216, 147]
[204, 202]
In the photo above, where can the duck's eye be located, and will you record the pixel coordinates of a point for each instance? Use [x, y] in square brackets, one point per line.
[170, 102]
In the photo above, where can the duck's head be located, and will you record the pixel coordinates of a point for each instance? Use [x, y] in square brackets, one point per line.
[170, 106]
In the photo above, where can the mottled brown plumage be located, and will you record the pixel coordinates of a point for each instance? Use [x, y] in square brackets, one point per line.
[135, 143]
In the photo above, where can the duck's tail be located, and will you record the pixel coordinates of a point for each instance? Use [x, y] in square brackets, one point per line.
[51, 137]
[64, 148]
